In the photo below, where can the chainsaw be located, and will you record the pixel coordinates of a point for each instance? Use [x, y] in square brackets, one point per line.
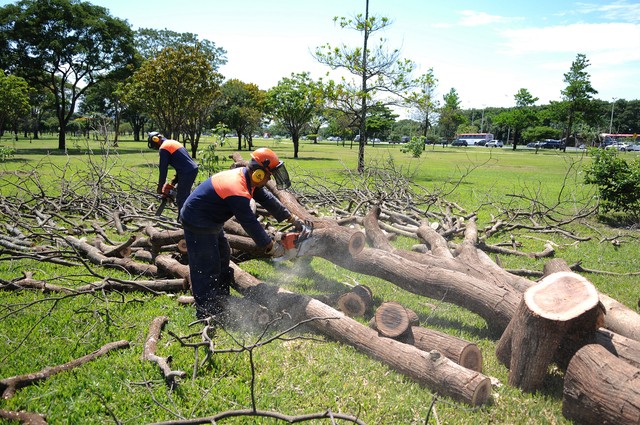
[293, 242]
[166, 197]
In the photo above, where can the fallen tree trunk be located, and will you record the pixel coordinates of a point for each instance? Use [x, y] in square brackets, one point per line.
[599, 388]
[430, 369]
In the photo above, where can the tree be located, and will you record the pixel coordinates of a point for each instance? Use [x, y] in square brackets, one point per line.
[14, 100]
[240, 107]
[422, 100]
[578, 93]
[150, 42]
[378, 69]
[65, 46]
[177, 89]
[450, 115]
[294, 102]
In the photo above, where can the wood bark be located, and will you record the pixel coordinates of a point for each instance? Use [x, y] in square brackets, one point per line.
[562, 304]
[430, 369]
[96, 257]
[599, 389]
[464, 353]
[151, 344]
[24, 417]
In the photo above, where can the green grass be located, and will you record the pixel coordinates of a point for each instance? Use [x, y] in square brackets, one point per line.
[295, 376]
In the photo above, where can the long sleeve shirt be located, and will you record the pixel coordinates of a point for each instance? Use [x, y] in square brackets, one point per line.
[173, 153]
[228, 194]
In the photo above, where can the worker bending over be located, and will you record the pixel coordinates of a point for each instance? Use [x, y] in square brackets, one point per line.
[225, 195]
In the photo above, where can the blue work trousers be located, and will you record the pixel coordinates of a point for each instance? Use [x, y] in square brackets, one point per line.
[209, 257]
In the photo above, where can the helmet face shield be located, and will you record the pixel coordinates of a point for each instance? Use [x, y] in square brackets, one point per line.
[281, 175]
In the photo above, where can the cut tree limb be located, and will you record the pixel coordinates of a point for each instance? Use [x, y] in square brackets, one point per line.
[149, 353]
[9, 386]
[430, 369]
[599, 388]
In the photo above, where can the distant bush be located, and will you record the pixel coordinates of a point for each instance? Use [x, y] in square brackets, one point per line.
[618, 181]
[415, 146]
[6, 153]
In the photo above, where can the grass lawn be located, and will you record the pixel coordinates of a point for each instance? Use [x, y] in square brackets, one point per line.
[296, 375]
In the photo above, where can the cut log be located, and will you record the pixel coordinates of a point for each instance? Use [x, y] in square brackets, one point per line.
[561, 302]
[619, 318]
[393, 319]
[462, 352]
[432, 369]
[353, 305]
[626, 349]
[599, 389]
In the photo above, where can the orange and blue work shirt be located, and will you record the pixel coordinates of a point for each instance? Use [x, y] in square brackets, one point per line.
[228, 194]
[173, 153]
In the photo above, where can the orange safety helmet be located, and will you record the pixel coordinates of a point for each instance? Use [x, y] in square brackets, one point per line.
[265, 159]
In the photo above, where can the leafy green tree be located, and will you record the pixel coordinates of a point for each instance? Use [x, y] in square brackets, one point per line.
[150, 42]
[63, 45]
[293, 102]
[578, 93]
[618, 181]
[177, 89]
[378, 69]
[450, 115]
[380, 121]
[422, 100]
[541, 133]
[14, 100]
[240, 107]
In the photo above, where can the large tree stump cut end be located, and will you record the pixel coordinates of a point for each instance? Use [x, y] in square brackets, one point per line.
[561, 296]
[563, 306]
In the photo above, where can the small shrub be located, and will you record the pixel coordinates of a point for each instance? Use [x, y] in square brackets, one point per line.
[618, 181]
[415, 146]
[6, 153]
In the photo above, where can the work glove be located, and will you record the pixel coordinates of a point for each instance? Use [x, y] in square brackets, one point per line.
[275, 248]
[297, 223]
[166, 189]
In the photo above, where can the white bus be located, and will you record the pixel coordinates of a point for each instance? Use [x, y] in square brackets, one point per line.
[479, 139]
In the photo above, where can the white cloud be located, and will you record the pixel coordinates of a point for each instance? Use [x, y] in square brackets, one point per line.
[471, 18]
[614, 43]
[616, 11]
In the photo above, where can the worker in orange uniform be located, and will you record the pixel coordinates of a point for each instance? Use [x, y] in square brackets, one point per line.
[173, 153]
[225, 195]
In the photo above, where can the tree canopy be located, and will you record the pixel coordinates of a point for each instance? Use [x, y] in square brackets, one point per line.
[293, 102]
[177, 88]
[65, 46]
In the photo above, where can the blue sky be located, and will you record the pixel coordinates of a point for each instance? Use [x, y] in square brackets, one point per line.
[486, 50]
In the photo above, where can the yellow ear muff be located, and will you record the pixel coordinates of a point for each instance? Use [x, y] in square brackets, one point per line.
[257, 176]
[155, 139]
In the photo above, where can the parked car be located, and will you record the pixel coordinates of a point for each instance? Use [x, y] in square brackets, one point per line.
[495, 144]
[459, 142]
[536, 145]
[633, 148]
[552, 144]
[619, 146]
[481, 143]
